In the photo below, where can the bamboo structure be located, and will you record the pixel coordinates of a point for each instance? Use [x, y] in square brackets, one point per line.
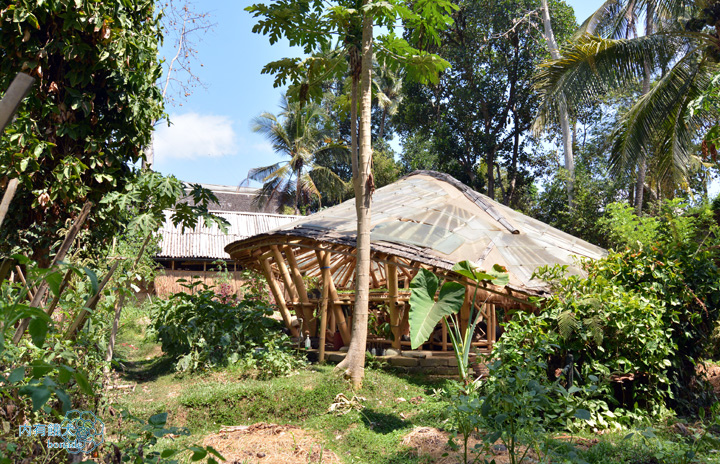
[426, 221]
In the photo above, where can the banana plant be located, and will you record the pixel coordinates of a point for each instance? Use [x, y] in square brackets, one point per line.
[425, 312]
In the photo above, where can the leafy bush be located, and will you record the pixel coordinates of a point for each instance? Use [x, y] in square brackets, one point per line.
[646, 312]
[205, 330]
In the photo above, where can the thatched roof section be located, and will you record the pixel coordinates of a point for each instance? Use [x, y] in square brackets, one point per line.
[433, 219]
[209, 242]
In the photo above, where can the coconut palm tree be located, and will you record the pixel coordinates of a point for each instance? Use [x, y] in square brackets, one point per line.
[680, 50]
[299, 134]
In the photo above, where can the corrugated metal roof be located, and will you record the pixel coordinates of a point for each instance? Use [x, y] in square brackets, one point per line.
[440, 221]
[210, 242]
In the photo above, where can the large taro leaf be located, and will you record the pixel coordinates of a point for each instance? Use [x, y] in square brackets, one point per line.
[425, 312]
[497, 275]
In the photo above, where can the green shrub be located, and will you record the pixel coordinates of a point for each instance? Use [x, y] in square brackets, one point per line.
[207, 329]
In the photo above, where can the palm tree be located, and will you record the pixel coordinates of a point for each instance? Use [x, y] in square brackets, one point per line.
[299, 134]
[680, 53]
[387, 89]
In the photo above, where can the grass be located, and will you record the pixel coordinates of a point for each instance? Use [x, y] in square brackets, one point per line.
[206, 401]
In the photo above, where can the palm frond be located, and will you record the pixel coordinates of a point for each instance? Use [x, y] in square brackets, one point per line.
[265, 173]
[591, 67]
[661, 118]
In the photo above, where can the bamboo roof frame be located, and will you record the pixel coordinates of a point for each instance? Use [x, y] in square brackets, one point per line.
[297, 250]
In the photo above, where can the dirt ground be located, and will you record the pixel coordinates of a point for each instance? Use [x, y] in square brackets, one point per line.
[264, 443]
[712, 375]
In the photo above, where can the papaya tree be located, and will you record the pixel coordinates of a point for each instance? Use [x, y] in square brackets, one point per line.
[312, 24]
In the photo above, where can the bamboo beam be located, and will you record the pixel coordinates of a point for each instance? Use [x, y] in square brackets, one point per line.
[392, 278]
[91, 304]
[340, 320]
[31, 291]
[324, 261]
[348, 273]
[59, 256]
[279, 298]
[280, 262]
[309, 322]
[66, 280]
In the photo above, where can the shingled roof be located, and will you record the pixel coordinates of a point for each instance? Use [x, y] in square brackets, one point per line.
[433, 219]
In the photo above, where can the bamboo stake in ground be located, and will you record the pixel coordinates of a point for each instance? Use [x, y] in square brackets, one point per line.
[59, 256]
[121, 302]
[7, 198]
[279, 298]
[324, 260]
[90, 306]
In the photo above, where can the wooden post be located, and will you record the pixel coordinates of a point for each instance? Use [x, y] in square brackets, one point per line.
[279, 298]
[7, 198]
[342, 324]
[392, 282]
[92, 303]
[59, 256]
[324, 261]
[121, 302]
[5, 267]
[31, 291]
[289, 285]
[310, 323]
[491, 324]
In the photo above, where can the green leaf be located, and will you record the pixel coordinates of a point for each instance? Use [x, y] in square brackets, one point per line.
[39, 394]
[198, 453]
[16, 375]
[168, 453]
[38, 329]
[583, 414]
[93, 279]
[83, 383]
[158, 420]
[425, 313]
[54, 279]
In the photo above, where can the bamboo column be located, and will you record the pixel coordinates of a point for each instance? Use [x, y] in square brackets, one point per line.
[342, 324]
[278, 294]
[491, 324]
[309, 322]
[289, 285]
[392, 282]
[324, 261]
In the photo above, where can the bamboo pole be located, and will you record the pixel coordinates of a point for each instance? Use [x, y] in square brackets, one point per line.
[5, 267]
[392, 281]
[324, 260]
[340, 320]
[90, 306]
[59, 256]
[289, 285]
[31, 291]
[279, 298]
[310, 323]
[7, 198]
[121, 302]
[66, 280]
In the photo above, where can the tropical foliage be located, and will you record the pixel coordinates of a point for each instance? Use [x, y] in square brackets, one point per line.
[300, 134]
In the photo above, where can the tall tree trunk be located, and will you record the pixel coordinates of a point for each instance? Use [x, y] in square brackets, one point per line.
[513, 171]
[490, 162]
[298, 184]
[564, 119]
[354, 362]
[642, 163]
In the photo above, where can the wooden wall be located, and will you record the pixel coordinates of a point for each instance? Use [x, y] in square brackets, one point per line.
[166, 282]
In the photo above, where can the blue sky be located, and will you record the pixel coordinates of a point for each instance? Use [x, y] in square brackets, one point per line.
[210, 140]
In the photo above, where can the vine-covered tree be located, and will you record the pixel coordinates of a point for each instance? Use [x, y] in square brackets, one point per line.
[88, 116]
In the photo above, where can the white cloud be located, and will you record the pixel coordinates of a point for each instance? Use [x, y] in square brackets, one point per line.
[193, 135]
